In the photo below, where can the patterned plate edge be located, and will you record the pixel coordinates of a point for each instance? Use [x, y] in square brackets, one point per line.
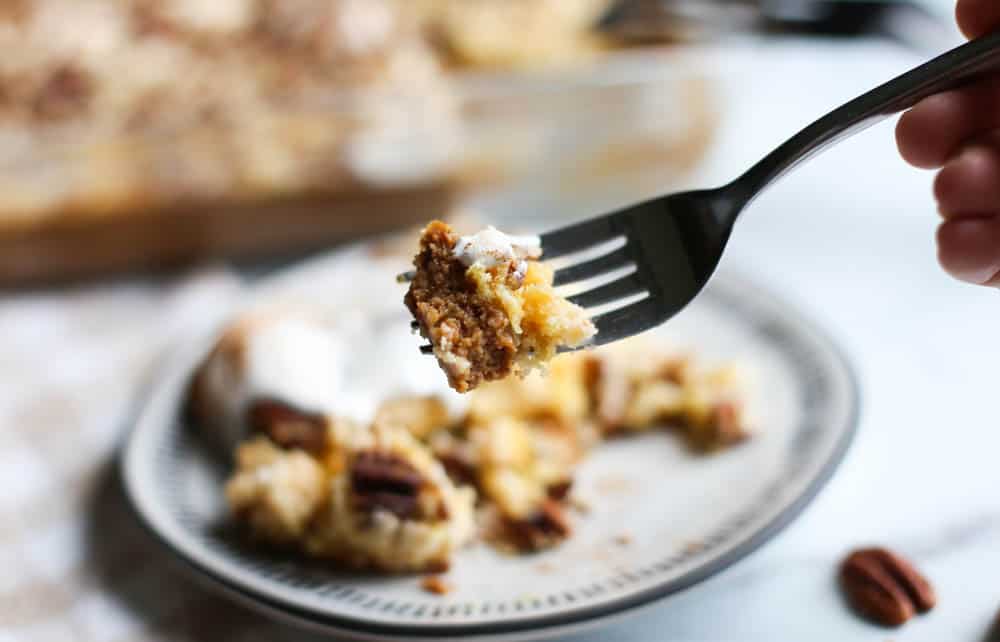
[154, 520]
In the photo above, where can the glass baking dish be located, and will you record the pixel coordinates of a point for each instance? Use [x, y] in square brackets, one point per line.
[98, 195]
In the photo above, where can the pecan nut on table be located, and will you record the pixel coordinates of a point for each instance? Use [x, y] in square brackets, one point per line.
[884, 587]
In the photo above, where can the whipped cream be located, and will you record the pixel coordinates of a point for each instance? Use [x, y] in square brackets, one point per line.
[491, 247]
[329, 368]
[290, 359]
[323, 356]
[295, 360]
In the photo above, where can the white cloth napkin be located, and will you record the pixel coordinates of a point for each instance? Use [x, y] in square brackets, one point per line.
[75, 564]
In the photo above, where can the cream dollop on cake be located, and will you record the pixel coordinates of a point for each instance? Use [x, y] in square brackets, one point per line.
[491, 247]
[296, 360]
[219, 16]
[316, 364]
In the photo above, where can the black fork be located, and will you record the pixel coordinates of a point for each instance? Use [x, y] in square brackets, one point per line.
[662, 252]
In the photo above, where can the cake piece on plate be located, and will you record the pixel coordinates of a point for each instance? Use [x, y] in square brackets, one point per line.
[373, 498]
[391, 506]
[273, 373]
[488, 306]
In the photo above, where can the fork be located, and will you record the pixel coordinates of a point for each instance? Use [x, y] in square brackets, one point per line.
[667, 248]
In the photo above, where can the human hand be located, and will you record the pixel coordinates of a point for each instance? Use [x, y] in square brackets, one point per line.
[958, 132]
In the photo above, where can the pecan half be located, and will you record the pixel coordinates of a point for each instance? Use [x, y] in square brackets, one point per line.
[551, 520]
[386, 481]
[460, 468]
[543, 529]
[286, 426]
[883, 587]
[559, 490]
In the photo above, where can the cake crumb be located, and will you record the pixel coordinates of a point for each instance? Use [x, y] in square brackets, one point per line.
[545, 567]
[579, 504]
[623, 539]
[693, 546]
[436, 584]
[615, 485]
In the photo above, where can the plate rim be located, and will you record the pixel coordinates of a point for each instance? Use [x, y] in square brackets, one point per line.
[540, 625]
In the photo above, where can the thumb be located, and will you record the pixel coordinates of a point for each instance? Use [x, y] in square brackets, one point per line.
[977, 17]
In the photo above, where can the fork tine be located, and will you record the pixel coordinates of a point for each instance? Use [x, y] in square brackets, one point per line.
[595, 267]
[618, 289]
[580, 236]
[628, 320]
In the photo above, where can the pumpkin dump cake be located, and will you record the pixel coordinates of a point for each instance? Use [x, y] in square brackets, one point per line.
[487, 305]
[373, 497]
[403, 483]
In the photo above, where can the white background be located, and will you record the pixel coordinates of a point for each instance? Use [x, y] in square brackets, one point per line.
[850, 237]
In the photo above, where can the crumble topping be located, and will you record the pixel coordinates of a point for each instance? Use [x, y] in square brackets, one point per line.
[275, 491]
[175, 102]
[517, 33]
[220, 17]
[419, 415]
[387, 482]
[473, 338]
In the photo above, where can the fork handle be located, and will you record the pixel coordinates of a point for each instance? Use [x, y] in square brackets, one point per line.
[950, 70]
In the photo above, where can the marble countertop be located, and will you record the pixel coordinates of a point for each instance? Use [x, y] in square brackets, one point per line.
[847, 237]
[850, 238]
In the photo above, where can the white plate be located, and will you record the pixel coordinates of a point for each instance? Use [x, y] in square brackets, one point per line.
[685, 517]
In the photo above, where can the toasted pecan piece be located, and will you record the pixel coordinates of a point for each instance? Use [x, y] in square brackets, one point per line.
[386, 481]
[884, 587]
[287, 426]
[544, 528]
